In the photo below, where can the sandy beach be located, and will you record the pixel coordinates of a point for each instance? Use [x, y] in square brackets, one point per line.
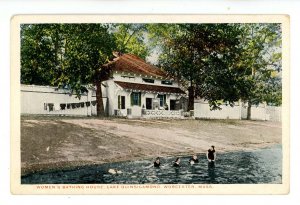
[66, 142]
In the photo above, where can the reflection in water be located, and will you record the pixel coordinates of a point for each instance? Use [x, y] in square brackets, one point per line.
[176, 171]
[259, 166]
[211, 171]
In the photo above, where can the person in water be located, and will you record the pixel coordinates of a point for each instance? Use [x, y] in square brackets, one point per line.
[211, 154]
[193, 159]
[177, 162]
[157, 162]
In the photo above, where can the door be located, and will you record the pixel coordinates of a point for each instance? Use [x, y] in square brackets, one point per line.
[149, 103]
[172, 104]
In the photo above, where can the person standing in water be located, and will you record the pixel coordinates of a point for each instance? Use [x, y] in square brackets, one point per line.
[211, 154]
[176, 163]
[193, 159]
[157, 162]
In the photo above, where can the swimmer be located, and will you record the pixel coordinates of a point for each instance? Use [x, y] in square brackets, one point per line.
[193, 159]
[156, 162]
[211, 154]
[176, 163]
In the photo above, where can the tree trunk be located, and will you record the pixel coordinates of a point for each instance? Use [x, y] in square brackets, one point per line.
[99, 100]
[249, 110]
[191, 90]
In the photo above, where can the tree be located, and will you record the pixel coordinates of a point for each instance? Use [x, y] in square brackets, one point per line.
[67, 55]
[75, 55]
[130, 38]
[202, 57]
[259, 65]
[39, 51]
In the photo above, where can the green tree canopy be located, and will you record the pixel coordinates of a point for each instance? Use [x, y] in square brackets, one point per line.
[130, 38]
[217, 62]
[202, 56]
[259, 65]
[74, 55]
[66, 55]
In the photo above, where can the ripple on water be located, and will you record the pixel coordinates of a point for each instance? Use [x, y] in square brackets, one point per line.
[259, 166]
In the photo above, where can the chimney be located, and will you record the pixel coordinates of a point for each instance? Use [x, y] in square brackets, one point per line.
[117, 53]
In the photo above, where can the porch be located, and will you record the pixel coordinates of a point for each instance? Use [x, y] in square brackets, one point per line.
[162, 113]
[147, 113]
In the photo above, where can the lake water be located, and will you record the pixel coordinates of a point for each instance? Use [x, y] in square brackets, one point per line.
[255, 167]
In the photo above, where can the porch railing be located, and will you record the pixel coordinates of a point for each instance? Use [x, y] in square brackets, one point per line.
[162, 113]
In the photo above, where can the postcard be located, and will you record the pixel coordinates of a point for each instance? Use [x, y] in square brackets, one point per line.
[150, 104]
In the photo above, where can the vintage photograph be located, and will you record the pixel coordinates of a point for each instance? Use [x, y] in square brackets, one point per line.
[151, 104]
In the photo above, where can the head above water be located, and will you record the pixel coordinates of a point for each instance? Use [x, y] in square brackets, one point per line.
[177, 160]
[194, 156]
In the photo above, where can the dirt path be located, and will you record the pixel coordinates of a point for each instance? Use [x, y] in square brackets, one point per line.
[53, 143]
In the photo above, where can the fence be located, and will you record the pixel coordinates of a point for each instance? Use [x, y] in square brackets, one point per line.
[202, 111]
[257, 112]
[274, 113]
[239, 111]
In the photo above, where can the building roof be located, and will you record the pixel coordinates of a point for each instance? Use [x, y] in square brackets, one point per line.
[133, 64]
[151, 88]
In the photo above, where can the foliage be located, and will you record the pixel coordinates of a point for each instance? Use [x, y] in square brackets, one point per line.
[64, 54]
[217, 62]
[130, 38]
[74, 55]
[37, 54]
[202, 56]
[259, 64]
[222, 62]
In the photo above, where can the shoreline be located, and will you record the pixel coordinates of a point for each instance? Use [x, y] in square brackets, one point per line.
[62, 143]
[65, 166]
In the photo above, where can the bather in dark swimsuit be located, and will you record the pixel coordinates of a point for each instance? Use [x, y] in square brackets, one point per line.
[195, 160]
[211, 155]
[156, 164]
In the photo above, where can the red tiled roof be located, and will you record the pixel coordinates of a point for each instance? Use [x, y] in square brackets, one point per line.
[153, 88]
[133, 64]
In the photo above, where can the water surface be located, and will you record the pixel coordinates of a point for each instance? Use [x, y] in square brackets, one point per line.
[248, 167]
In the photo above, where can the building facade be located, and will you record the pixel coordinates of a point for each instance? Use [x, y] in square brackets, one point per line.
[138, 89]
[48, 100]
[133, 89]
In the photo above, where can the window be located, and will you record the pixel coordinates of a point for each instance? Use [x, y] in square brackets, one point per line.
[62, 106]
[136, 98]
[127, 76]
[121, 102]
[148, 80]
[51, 106]
[73, 105]
[166, 82]
[162, 100]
